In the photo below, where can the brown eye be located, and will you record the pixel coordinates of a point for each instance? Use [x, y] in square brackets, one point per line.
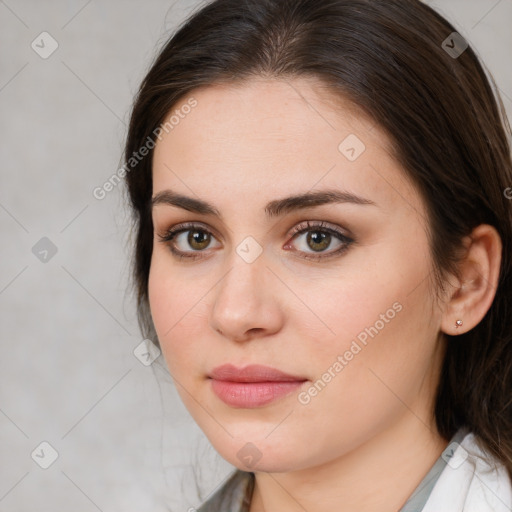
[185, 240]
[318, 239]
[198, 239]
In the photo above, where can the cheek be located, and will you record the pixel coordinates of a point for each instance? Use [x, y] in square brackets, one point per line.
[386, 343]
[378, 297]
[174, 304]
[360, 387]
[381, 318]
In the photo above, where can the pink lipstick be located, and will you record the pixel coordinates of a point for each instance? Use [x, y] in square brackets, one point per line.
[253, 385]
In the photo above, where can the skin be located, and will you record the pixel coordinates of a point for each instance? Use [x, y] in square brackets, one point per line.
[241, 147]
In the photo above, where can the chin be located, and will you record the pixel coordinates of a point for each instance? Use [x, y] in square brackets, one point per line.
[262, 455]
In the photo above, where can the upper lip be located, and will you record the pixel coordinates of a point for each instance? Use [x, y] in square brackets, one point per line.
[251, 373]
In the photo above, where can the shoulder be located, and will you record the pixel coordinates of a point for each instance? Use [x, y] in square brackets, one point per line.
[230, 496]
[473, 480]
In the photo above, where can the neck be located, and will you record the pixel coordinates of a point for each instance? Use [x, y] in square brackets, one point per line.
[379, 474]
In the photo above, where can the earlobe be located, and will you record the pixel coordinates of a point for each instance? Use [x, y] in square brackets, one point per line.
[479, 274]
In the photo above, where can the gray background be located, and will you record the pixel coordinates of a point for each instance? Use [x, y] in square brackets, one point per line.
[68, 374]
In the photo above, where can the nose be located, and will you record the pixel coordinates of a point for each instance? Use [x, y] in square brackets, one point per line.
[247, 301]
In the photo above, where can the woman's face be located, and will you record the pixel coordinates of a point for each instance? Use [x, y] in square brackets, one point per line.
[343, 305]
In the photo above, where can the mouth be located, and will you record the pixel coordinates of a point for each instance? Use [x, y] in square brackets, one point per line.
[253, 385]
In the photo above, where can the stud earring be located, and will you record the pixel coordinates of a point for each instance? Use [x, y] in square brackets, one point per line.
[458, 323]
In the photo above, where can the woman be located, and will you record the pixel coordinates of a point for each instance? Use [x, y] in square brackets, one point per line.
[323, 253]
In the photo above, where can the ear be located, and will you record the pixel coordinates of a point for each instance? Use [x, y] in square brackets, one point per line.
[474, 292]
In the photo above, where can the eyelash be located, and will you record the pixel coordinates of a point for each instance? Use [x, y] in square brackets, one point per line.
[300, 229]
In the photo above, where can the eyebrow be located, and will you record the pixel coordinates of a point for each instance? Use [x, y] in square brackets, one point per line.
[275, 208]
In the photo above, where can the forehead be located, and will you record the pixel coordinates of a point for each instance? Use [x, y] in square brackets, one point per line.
[269, 136]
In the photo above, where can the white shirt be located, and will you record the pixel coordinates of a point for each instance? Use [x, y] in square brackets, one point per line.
[472, 481]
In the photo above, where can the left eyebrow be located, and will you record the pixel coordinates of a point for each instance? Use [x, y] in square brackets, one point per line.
[275, 208]
[311, 199]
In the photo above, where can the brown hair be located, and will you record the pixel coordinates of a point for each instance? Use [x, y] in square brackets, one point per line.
[447, 127]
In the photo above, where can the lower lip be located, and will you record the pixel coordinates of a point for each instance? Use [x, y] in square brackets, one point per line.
[252, 394]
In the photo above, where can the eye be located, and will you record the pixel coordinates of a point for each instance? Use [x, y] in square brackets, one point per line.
[184, 236]
[318, 238]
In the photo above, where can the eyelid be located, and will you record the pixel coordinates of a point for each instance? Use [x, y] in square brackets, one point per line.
[186, 226]
[320, 225]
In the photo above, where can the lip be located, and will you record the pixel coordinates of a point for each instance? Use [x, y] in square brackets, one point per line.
[252, 386]
[252, 373]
